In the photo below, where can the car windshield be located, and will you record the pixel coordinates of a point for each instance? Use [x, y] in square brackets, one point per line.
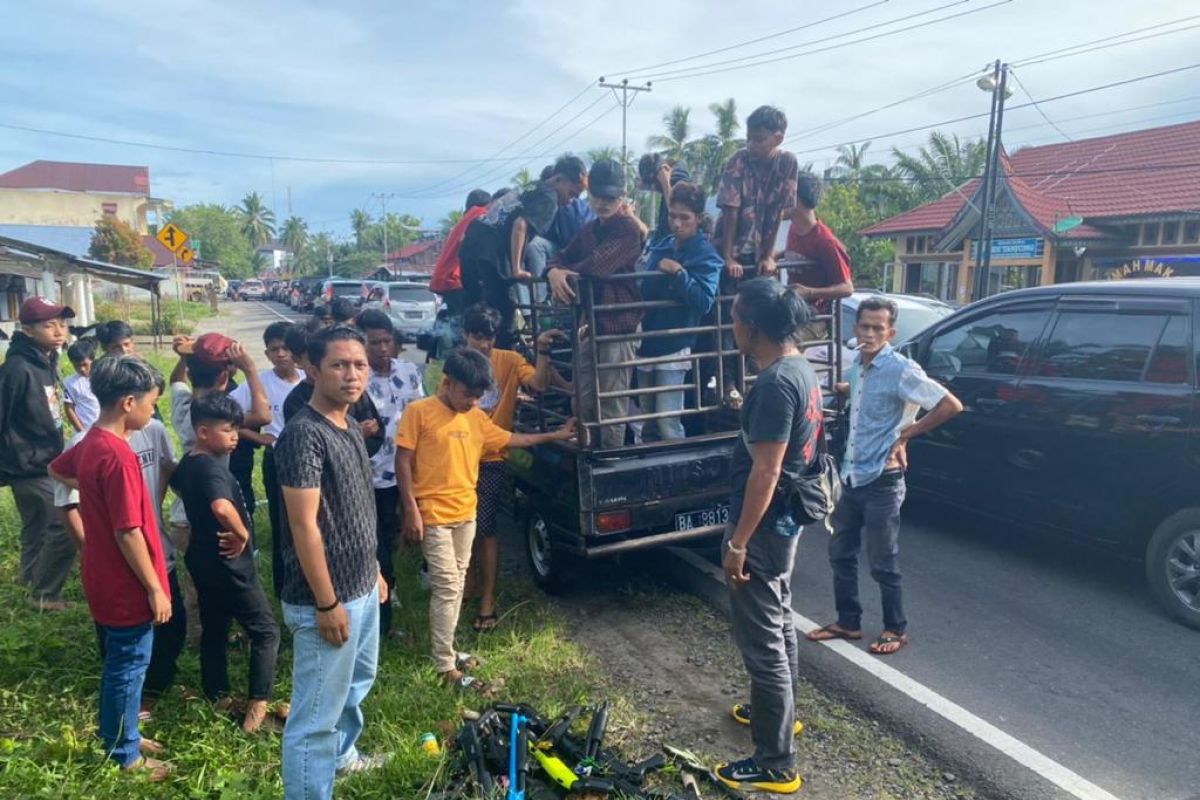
[410, 294]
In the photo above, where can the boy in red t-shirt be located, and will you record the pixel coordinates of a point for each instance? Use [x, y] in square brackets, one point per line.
[124, 570]
[828, 278]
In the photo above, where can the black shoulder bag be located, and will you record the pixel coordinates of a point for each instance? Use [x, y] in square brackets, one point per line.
[812, 496]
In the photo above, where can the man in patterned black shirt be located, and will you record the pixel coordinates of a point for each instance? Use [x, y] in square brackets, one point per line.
[332, 586]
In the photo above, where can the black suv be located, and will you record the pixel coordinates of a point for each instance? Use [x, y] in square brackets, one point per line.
[1081, 420]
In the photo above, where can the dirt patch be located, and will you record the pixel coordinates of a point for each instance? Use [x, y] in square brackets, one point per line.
[673, 657]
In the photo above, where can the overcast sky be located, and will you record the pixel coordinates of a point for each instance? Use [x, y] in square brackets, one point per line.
[430, 81]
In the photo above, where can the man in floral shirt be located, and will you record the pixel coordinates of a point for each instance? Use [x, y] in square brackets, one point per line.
[394, 383]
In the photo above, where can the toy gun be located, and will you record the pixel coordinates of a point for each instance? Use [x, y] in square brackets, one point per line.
[518, 757]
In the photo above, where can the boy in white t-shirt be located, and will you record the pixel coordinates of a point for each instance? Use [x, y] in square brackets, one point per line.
[278, 383]
[82, 407]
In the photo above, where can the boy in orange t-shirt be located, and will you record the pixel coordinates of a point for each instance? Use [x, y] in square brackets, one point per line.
[440, 443]
[511, 373]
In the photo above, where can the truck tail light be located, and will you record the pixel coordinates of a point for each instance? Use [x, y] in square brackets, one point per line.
[613, 521]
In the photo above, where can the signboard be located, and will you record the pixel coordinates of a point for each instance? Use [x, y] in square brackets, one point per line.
[172, 237]
[1010, 249]
[1118, 269]
[186, 255]
[1067, 223]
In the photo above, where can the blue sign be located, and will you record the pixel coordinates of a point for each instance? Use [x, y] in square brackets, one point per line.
[1002, 249]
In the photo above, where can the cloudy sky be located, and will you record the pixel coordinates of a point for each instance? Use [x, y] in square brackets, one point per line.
[412, 98]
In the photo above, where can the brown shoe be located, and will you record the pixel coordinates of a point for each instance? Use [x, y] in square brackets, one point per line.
[149, 747]
[156, 771]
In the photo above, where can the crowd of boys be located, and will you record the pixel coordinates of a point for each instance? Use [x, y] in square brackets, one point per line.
[355, 454]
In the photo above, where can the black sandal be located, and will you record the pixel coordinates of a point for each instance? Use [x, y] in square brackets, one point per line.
[485, 622]
[833, 631]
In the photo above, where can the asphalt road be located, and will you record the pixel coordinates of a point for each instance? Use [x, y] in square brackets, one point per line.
[1054, 645]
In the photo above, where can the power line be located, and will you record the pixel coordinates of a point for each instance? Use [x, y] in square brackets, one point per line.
[1034, 101]
[810, 42]
[1050, 55]
[514, 142]
[633, 72]
[704, 71]
[966, 117]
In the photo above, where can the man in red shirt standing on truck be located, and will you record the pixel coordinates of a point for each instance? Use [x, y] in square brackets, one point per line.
[828, 278]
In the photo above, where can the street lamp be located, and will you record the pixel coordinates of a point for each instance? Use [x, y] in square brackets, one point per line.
[996, 84]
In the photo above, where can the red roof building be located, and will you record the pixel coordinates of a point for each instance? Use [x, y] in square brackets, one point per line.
[76, 177]
[1112, 207]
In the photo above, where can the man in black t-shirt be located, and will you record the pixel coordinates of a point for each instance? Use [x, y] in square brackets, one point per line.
[332, 586]
[220, 563]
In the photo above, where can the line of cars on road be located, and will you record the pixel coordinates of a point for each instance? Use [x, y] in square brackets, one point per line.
[412, 307]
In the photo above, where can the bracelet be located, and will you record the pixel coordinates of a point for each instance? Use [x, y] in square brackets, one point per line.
[328, 608]
[741, 551]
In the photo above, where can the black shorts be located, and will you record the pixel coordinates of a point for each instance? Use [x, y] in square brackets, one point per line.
[489, 491]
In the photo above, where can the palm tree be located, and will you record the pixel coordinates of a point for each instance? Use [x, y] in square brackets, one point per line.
[941, 166]
[674, 143]
[851, 160]
[523, 179]
[258, 221]
[294, 236]
[603, 154]
[259, 263]
[728, 124]
[450, 220]
[360, 222]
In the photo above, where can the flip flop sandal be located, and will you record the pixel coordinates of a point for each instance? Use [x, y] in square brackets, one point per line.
[832, 631]
[464, 662]
[887, 639]
[469, 683]
[485, 622]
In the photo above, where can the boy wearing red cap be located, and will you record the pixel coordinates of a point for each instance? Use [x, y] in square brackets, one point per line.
[31, 436]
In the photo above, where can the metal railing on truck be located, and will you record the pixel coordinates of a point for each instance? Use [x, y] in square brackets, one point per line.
[714, 356]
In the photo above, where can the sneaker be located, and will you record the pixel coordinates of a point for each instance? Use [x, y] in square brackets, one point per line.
[746, 774]
[362, 764]
[741, 713]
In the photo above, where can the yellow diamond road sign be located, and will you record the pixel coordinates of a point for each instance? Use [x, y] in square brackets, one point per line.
[186, 255]
[172, 237]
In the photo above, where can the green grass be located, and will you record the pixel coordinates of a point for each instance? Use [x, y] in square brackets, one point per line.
[49, 677]
[137, 314]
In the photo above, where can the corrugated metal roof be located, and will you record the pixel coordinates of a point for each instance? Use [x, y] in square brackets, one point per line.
[78, 177]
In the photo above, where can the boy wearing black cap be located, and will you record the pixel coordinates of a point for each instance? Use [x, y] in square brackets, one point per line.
[608, 245]
[31, 436]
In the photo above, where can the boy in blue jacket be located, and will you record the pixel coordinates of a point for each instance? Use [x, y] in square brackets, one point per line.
[688, 268]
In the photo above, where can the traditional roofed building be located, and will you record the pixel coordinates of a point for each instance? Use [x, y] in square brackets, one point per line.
[1116, 206]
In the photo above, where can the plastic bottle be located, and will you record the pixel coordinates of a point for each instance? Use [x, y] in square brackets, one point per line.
[429, 744]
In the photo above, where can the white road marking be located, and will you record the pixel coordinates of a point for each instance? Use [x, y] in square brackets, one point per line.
[1049, 769]
[1012, 747]
[273, 311]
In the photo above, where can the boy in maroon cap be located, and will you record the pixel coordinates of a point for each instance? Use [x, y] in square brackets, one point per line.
[31, 436]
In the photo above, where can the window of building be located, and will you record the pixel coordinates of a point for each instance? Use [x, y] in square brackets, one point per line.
[995, 344]
[910, 244]
[1191, 232]
[922, 241]
[1170, 232]
[1105, 346]
[109, 208]
[1150, 234]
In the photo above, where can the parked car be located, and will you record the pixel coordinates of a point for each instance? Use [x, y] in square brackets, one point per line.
[1081, 421]
[411, 306]
[252, 289]
[341, 287]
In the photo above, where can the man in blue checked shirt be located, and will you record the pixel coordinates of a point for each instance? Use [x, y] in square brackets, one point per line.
[883, 408]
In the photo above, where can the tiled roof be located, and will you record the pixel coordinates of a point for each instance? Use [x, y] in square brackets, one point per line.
[410, 250]
[75, 177]
[1142, 173]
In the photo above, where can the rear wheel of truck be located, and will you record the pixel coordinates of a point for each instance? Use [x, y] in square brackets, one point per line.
[547, 566]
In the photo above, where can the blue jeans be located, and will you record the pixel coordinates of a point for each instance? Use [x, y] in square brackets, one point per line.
[871, 513]
[328, 686]
[537, 255]
[126, 658]
[663, 402]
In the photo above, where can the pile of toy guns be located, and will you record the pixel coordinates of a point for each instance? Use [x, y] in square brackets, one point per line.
[508, 749]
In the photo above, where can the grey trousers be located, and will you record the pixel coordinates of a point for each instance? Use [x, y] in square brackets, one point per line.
[611, 380]
[763, 631]
[47, 552]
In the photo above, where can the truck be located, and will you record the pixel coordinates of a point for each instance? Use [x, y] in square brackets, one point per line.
[576, 501]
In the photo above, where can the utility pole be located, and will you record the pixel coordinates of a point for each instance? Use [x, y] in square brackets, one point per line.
[626, 100]
[997, 84]
[383, 198]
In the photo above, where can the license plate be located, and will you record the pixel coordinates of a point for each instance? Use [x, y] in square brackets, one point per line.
[702, 519]
[414, 314]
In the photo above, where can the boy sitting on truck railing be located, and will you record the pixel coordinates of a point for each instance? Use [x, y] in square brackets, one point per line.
[828, 277]
[685, 268]
[440, 443]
